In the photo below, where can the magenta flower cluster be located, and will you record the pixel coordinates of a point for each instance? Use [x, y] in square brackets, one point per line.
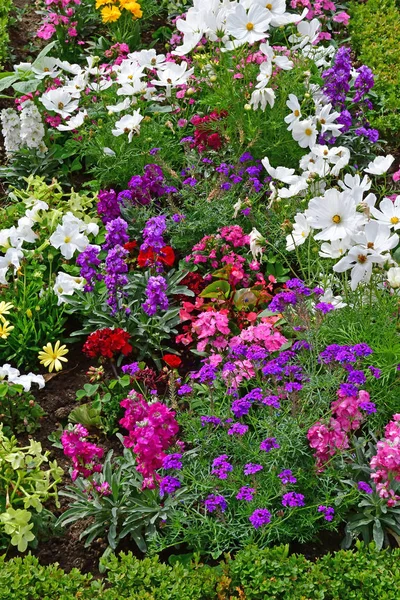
[151, 431]
[386, 462]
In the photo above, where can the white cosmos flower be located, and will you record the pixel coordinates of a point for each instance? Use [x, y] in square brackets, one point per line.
[307, 33]
[355, 185]
[65, 285]
[327, 120]
[304, 133]
[335, 249]
[27, 380]
[46, 67]
[117, 108]
[68, 239]
[335, 214]
[293, 190]
[101, 85]
[300, 232]
[74, 122]
[340, 159]
[295, 115]
[380, 165]
[76, 85]
[262, 97]
[329, 298]
[60, 102]
[173, 75]
[248, 27]
[388, 213]
[129, 124]
[360, 261]
[108, 151]
[281, 173]
[376, 236]
[256, 240]
[149, 59]
[193, 28]
[393, 277]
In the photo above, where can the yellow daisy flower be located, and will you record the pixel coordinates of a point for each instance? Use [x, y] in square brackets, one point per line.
[110, 14]
[5, 329]
[5, 309]
[51, 358]
[135, 9]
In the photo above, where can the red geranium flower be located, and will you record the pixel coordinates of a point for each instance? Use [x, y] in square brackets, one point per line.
[145, 258]
[107, 342]
[130, 245]
[172, 360]
[167, 256]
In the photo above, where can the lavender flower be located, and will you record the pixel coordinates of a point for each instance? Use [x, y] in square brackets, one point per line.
[221, 467]
[131, 369]
[184, 389]
[205, 420]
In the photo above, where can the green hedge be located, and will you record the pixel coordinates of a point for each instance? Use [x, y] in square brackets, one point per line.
[375, 37]
[5, 6]
[253, 574]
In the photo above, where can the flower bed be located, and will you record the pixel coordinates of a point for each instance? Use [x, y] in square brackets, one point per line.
[199, 276]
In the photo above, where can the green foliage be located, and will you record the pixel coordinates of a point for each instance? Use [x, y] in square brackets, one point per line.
[254, 574]
[5, 6]
[380, 50]
[127, 511]
[19, 410]
[24, 487]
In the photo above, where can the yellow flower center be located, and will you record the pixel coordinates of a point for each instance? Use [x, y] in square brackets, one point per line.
[130, 76]
[322, 121]
[394, 220]
[308, 131]
[370, 245]
[67, 239]
[269, 6]
[249, 26]
[296, 113]
[361, 258]
[336, 219]
[60, 105]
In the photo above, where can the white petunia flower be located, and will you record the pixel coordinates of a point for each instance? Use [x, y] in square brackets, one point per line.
[129, 124]
[380, 165]
[68, 239]
[65, 285]
[11, 258]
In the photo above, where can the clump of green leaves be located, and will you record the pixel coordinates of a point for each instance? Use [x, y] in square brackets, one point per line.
[24, 488]
[19, 410]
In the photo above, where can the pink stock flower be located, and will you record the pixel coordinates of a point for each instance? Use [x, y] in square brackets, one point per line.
[84, 455]
[151, 429]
